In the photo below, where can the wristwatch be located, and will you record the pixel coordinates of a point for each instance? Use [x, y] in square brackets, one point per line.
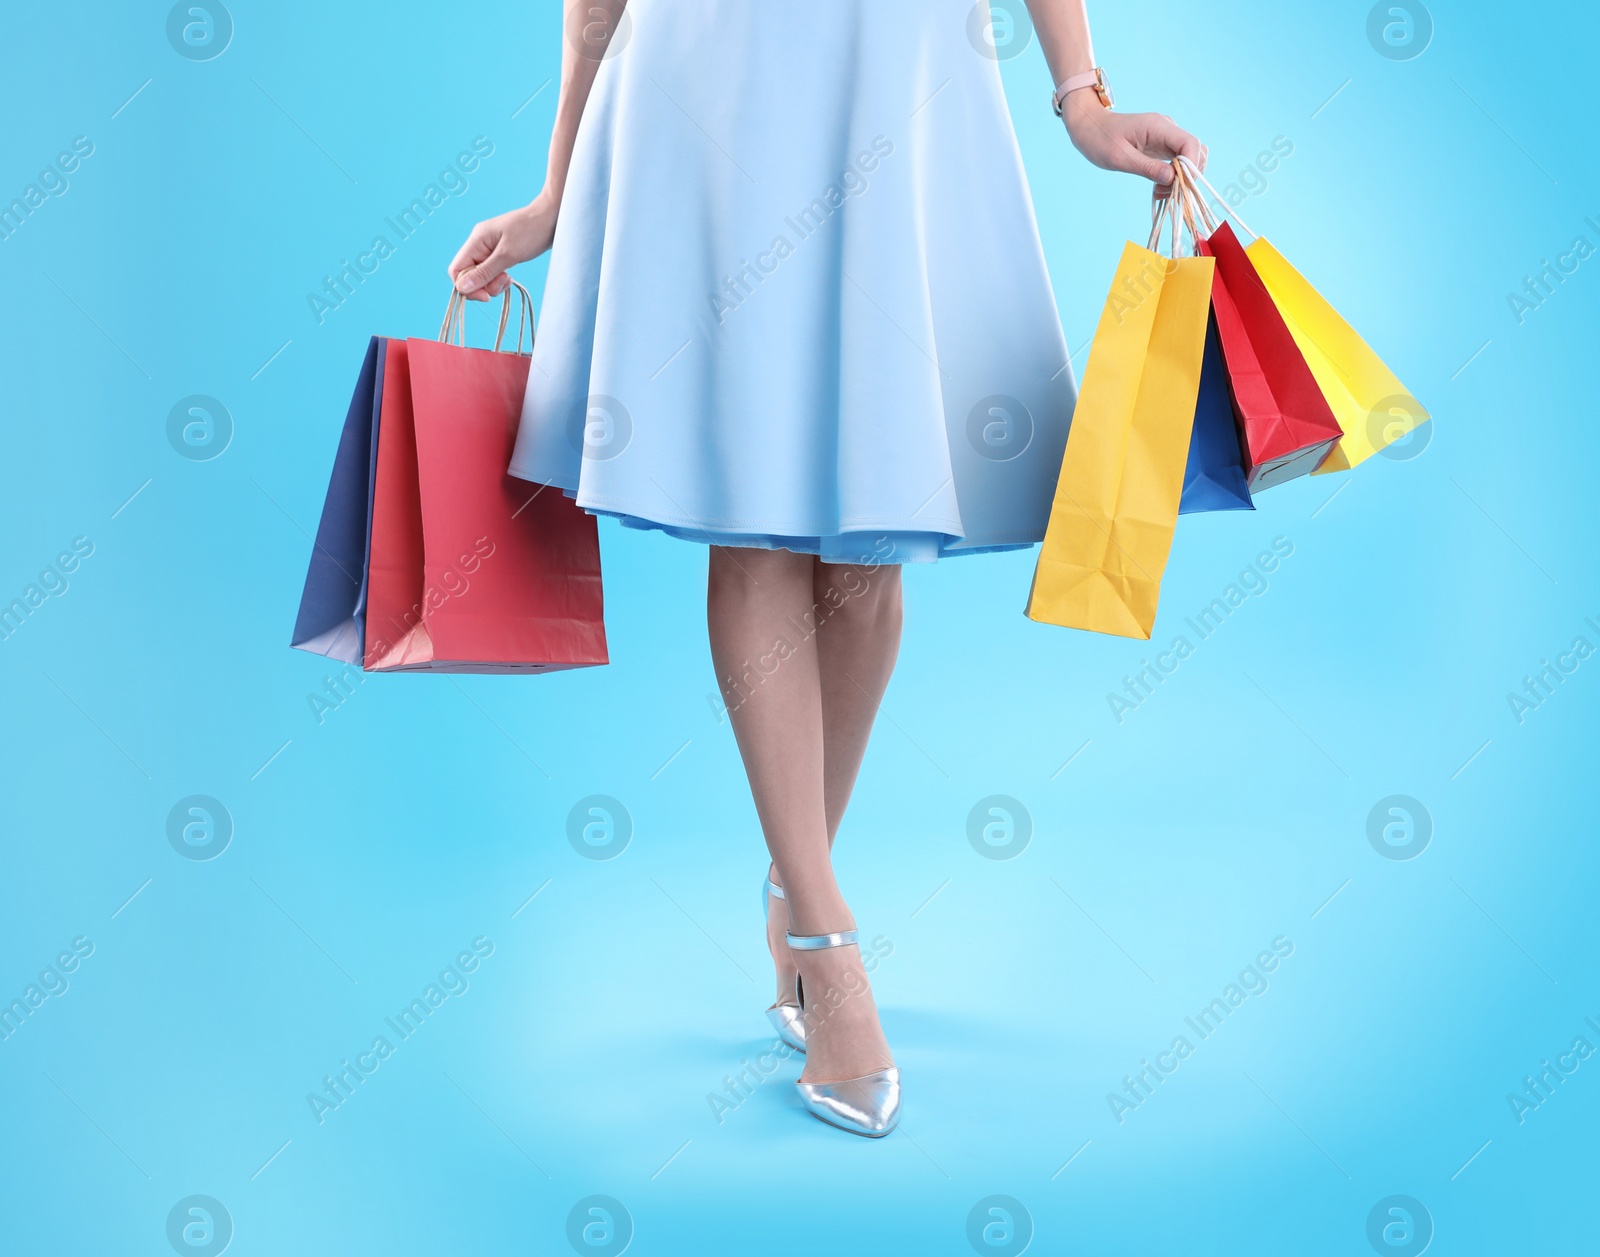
[1095, 78]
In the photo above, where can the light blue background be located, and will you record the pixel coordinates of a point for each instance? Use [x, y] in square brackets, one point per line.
[370, 849]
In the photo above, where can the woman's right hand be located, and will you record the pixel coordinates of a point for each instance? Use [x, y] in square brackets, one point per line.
[496, 244]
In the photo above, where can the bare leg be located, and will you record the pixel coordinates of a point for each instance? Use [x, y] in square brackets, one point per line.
[857, 616]
[860, 613]
[759, 609]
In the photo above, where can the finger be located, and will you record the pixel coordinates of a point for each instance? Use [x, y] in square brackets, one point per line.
[491, 290]
[1162, 138]
[1205, 156]
[1153, 169]
[1180, 143]
[479, 246]
[477, 275]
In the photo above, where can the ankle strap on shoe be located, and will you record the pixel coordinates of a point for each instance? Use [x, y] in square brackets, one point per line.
[773, 889]
[818, 942]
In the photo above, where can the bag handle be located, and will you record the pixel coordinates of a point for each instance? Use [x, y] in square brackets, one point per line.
[454, 328]
[1160, 208]
[1176, 201]
[1197, 181]
[1197, 214]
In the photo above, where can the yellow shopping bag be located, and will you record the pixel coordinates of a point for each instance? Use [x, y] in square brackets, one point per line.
[1371, 405]
[1116, 502]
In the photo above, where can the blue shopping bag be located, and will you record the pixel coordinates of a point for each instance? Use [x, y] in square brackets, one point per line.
[333, 607]
[1214, 478]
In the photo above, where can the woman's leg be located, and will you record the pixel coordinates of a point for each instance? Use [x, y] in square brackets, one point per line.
[858, 640]
[764, 646]
[856, 616]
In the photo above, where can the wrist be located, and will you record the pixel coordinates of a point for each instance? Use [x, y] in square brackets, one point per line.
[1081, 110]
[1093, 80]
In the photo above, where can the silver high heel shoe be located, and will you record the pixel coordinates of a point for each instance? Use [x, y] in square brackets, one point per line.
[785, 1018]
[869, 1105]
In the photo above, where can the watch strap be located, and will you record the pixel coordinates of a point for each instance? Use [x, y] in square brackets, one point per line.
[1095, 78]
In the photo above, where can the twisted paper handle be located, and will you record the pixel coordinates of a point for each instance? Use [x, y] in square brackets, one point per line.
[1179, 206]
[454, 328]
[1196, 181]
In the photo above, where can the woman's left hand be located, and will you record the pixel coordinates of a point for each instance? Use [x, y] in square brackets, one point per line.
[1136, 143]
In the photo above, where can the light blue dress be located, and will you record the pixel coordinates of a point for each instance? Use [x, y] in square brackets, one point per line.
[796, 296]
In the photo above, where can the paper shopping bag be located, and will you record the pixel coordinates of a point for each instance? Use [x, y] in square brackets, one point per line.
[1372, 406]
[1116, 503]
[472, 570]
[395, 581]
[333, 605]
[1214, 479]
[1287, 423]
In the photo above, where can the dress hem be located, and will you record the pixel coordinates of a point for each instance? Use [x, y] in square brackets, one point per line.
[947, 535]
[863, 548]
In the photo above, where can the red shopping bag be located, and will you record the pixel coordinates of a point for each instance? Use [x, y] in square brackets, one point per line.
[1286, 422]
[472, 570]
